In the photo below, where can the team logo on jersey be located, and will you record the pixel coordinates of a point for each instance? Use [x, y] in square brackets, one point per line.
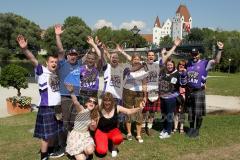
[54, 82]
[115, 81]
[193, 77]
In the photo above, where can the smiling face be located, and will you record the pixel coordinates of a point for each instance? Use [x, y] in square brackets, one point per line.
[91, 60]
[91, 103]
[150, 57]
[52, 63]
[195, 57]
[72, 58]
[136, 60]
[114, 60]
[170, 66]
[107, 102]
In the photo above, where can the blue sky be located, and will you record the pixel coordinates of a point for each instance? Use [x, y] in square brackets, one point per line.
[223, 14]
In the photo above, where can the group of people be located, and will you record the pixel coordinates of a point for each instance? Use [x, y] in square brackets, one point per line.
[133, 91]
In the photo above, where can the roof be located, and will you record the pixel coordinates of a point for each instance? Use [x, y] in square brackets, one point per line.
[148, 37]
[183, 11]
[157, 22]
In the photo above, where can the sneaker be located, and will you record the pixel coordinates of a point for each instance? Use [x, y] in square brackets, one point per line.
[165, 135]
[162, 132]
[139, 139]
[58, 153]
[114, 153]
[129, 137]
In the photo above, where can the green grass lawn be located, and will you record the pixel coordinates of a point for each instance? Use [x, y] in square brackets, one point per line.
[220, 139]
[223, 84]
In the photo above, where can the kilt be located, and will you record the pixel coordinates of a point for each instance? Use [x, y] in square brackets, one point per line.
[152, 106]
[132, 99]
[47, 126]
[196, 104]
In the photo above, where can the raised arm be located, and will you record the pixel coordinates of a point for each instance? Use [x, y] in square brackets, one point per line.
[119, 49]
[167, 54]
[23, 45]
[77, 105]
[132, 110]
[217, 58]
[93, 44]
[58, 32]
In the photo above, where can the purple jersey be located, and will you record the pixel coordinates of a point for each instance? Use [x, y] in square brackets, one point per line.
[197, 74]
[89, 79]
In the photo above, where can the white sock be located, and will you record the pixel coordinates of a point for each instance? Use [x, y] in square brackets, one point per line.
[149, 125]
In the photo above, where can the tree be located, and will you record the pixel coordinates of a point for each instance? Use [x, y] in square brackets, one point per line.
[14, 76]
[12, 25]
[74, 35]
[166, 41]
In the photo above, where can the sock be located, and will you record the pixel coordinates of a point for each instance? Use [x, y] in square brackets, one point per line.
[149, 125]
[199, 122]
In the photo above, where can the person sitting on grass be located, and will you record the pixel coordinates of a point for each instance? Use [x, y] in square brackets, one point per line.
[79, 142]
[107, 128]
[47, 126]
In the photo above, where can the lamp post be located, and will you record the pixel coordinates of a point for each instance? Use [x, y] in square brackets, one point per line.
[135, 31]
[229, 65]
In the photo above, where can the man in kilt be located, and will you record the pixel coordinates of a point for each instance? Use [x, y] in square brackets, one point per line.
[197, 71]
[47, 126]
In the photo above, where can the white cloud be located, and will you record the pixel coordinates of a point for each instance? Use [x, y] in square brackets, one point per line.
[129, 25]
[102, 22]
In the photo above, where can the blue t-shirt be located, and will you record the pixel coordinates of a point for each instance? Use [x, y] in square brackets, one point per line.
[64, 68]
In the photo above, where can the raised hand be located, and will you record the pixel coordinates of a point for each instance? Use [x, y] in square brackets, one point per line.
[119, 48]
[69, 87]
[220, 45]
[22, 42]
[90, 40]
[58, 29]
[177, 41]
[98, 42]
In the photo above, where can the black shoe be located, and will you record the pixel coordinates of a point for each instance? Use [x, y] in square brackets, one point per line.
[58, 153]
[195, 134]
[190, 132]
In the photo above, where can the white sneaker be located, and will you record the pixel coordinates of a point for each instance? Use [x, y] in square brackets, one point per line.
[114, 154]
[165, 135]
[162, 132]
[139, 139]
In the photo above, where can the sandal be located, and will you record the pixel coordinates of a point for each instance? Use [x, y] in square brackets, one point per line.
[181, 131]
[139, 139]
[129, 137]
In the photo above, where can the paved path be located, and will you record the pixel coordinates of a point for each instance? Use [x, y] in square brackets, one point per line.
[214, 102]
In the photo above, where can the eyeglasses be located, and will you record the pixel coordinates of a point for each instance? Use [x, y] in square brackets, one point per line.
[181, 64]
[92, 101]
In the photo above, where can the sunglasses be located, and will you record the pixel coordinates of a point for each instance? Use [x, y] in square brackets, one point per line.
[92, 101]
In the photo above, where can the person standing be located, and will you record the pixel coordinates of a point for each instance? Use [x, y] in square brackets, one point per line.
[197, 71]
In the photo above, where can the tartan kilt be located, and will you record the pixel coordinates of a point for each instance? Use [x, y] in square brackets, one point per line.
[47, 126]
[152, 106]
[196, 104]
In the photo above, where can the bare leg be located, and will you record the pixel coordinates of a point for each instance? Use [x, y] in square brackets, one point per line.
[128, 125]
[80, 157]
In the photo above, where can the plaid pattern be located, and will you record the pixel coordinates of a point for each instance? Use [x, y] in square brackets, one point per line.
[47, 125]
[132, 99]
[152, 106]
[196, 104]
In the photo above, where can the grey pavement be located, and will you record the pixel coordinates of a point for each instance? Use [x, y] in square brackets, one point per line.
[214, 102]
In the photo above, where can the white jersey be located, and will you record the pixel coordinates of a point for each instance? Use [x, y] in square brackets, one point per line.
[133, 80]
[152, 78]
[48, 84]
[113, 79]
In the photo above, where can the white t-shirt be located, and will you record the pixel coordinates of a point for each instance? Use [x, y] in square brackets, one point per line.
[113, 78]
[133, 80]
[48, 84]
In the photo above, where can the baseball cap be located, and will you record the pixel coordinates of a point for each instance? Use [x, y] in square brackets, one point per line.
[72, 51]
[195, 51]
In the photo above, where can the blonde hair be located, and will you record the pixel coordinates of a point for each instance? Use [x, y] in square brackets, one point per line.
[108, 96]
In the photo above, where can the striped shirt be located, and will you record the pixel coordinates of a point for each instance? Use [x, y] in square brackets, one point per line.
[82, 120]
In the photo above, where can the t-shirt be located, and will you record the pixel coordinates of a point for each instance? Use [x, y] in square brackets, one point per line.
[82, 120]
[133, 80]
[64, 68]
[113, 80]
[197, 74]
[89, 79]
[48, 84]
[152, 78]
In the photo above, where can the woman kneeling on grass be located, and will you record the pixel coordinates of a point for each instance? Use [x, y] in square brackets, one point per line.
[79, 142]
[107, 125]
